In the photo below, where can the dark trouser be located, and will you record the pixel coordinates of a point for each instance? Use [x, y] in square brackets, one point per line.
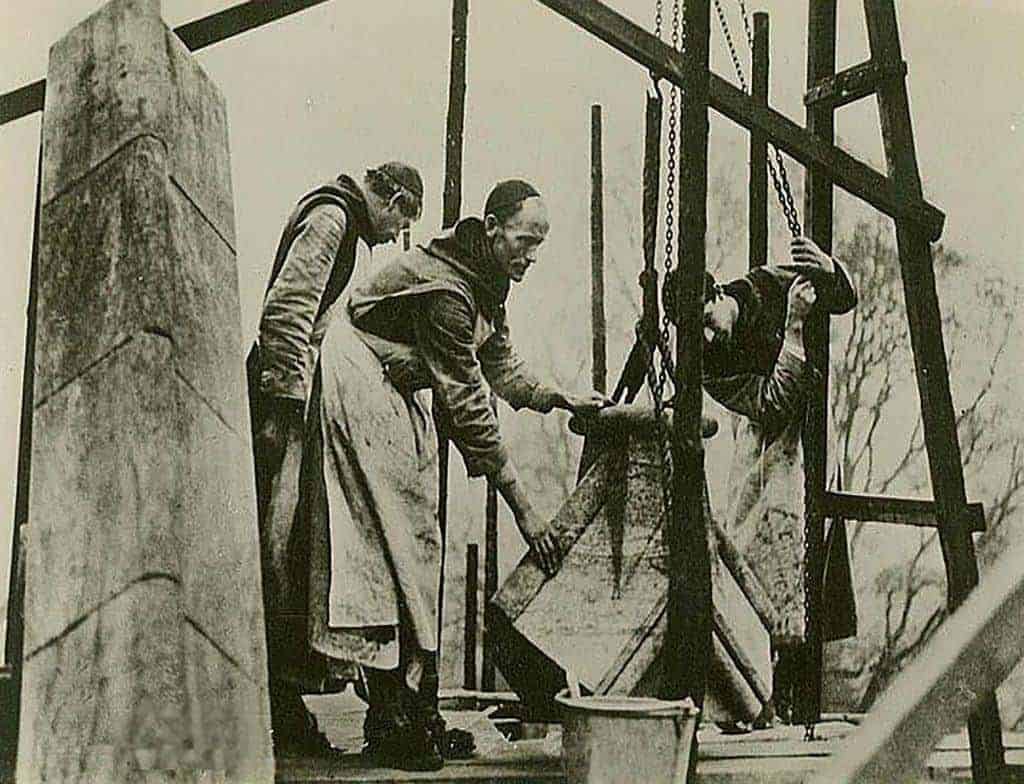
[284, 604]
[786, 679]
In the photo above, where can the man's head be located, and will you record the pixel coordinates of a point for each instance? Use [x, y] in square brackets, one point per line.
[720, 314]
[516, 223]
[721, 311]
[394, 198]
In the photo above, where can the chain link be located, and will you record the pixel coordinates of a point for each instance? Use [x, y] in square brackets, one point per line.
[777, 170]
[780, 181]
[658, 373]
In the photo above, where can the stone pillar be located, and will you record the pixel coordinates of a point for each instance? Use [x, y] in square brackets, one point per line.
[144, 653]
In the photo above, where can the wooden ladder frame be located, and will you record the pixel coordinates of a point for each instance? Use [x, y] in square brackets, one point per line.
[900, 196]
[884, 75]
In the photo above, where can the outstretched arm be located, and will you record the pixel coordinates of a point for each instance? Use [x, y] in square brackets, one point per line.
[444, 336]
[514, 382]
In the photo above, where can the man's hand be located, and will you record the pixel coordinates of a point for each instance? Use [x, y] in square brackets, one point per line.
[279, 420]
[585, 403]
[538, 534]
[803, 250]
[801, 300]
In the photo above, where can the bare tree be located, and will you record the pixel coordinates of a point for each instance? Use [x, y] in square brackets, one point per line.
[872, 373]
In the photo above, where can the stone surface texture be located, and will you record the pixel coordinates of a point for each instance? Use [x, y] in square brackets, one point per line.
[144, 654]
[602, 615]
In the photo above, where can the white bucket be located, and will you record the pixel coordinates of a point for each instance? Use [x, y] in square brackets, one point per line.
[613, 739]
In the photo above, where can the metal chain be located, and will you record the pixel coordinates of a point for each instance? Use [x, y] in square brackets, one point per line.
[746, 23]
[777, 170]
[657, 377]
[781, 183]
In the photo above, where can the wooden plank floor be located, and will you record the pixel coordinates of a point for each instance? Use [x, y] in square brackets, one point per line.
[777, 756]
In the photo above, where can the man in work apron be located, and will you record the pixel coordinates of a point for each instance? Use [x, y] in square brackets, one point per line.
[314, 262]
[429, 323]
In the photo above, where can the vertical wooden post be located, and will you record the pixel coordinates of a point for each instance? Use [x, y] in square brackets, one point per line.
[688, 636]
[757, 204]
[10, 713]
[941, 440]
[450, 216]
[818, 214]
[487, 680]
[456, 115]
[472, 590]
[597, 320]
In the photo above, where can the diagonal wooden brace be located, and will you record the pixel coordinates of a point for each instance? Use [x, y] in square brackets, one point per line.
[849, 173]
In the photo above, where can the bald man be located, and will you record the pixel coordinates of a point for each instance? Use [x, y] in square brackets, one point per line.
[432, 319]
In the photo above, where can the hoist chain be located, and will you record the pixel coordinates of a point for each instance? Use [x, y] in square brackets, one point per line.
[658, 373]
[746, 24]
[777, 170]
[781, 184]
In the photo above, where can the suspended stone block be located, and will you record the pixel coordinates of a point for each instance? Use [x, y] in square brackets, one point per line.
[144, 653]
[602, 617]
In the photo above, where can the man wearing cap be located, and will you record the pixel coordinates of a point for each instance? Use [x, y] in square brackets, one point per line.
[755, 365]
[431, 319]
[314, 262]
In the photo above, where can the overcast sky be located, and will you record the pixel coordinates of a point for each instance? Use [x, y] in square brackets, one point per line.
[350, 83]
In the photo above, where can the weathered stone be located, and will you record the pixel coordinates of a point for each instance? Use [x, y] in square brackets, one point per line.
[144, 653]
[121, 75]
[575, 515]
[103, 266]
[129, 253]
[216, 519]
[204, 278]
[119, 691]
[602, 616]
[104, 507]
[192, 713]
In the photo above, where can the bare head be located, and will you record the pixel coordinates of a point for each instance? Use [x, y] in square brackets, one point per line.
[516, 223]
[394, 199]
[720, 315]
[721, 311]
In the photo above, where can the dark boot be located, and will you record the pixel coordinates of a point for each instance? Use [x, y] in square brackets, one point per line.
[394, 738]
[452, 744]
[295, 729]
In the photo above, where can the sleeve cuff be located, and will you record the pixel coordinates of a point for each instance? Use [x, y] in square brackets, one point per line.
[277, 385]
[492, 465]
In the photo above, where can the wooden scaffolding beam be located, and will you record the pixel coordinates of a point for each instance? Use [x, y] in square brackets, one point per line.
[977, 648]
[757, 202]
[818, 224]
[847, 172]
[599, 348]
[941, 440]
[198, 34]
[689, 605]
[10, 713]
[451, 209]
